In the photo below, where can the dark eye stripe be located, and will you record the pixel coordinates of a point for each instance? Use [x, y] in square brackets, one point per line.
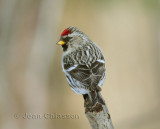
[66, 39]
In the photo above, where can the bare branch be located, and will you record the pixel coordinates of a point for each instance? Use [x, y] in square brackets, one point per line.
[98, 115]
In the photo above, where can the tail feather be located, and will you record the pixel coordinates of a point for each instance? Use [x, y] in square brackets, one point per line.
[93, 97]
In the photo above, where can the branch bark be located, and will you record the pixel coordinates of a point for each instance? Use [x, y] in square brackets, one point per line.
[98, 115]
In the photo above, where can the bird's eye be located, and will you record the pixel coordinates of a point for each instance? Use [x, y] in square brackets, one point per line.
[68, 39]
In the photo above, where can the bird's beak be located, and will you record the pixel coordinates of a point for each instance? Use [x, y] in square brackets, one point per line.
[61, 42]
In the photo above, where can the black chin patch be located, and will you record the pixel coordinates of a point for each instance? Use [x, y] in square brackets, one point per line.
[65, 47]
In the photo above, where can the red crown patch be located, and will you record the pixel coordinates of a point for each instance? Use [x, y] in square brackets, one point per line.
[65, 32]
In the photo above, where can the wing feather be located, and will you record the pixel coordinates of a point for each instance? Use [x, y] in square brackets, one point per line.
[89, 76]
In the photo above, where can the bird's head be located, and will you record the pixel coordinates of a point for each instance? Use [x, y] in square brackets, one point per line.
[72, 38]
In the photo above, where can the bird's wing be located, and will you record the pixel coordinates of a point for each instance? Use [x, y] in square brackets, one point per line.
[98, 73]
[88, 76]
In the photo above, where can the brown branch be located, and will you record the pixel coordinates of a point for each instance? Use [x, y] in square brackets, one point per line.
[98, 114]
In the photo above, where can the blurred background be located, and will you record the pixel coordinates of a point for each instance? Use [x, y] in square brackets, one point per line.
[31, 77]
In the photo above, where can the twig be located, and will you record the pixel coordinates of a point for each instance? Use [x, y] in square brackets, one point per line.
[98, 115]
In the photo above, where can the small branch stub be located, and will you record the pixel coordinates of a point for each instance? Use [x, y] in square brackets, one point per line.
[97, 114]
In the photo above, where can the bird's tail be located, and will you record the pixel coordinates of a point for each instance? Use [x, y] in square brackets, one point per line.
[93, 98]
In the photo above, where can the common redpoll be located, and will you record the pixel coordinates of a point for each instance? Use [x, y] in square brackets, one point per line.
[83, 62]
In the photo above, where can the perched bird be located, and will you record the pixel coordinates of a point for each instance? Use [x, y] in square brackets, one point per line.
[83, 63]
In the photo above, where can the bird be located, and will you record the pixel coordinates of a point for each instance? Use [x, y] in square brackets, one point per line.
[83, 64]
